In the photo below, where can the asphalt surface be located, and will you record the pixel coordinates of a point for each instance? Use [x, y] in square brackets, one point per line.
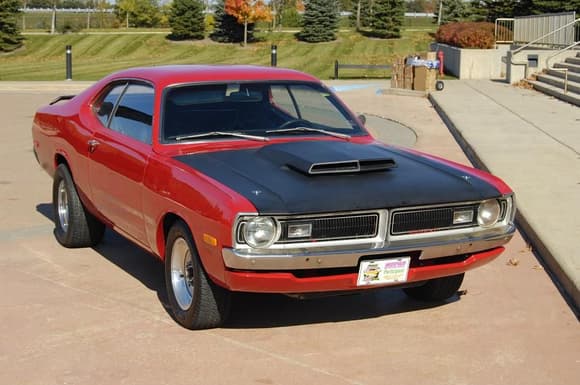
[98, 315]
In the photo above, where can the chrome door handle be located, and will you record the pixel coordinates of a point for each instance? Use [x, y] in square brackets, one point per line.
[93, 145]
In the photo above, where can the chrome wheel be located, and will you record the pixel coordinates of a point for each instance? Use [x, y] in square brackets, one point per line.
[182, 273]
[62, 206]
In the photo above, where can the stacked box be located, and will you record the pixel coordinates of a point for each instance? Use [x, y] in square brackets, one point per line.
[408, 82]
[424, 79]
[397, 74]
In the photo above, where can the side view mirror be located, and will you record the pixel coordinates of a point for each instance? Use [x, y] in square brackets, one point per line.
[362, 118]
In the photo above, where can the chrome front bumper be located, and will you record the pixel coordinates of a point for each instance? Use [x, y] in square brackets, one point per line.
[430, 247]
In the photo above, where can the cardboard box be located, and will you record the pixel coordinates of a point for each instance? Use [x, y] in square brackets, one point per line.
[420, 78]
[424, 79]
[408, 82]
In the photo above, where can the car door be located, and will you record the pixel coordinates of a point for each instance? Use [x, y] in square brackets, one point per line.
[119, 152]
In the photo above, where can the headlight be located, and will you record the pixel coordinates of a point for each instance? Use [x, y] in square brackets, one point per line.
[260, 232]
[488, 213]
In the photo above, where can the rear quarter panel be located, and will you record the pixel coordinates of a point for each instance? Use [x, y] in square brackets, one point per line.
[58, 130]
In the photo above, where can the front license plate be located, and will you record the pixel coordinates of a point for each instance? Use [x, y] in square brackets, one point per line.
[383, 271]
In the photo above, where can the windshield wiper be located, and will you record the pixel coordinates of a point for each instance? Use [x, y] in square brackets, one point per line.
[310, 129]
[222, 133]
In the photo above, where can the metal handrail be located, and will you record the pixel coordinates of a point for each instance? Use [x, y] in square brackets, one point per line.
[565, 70]
[560, 51]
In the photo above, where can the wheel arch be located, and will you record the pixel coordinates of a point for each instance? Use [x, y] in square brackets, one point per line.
[61, 159]
[168, 220]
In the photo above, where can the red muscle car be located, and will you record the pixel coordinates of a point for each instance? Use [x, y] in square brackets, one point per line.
[254, 179]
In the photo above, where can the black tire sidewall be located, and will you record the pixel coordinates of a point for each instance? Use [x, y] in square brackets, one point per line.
[184, 317]
[84, 229]
[62, 173]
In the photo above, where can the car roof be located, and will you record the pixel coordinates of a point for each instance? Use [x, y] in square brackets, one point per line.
[164, 76]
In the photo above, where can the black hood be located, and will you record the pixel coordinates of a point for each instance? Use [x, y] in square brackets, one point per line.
[329, 176]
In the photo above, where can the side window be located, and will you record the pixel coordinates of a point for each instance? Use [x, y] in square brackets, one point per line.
[134, 114]
[282, 99]
[104, 107]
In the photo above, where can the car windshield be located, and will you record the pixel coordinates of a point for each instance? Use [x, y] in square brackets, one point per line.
[253, 108]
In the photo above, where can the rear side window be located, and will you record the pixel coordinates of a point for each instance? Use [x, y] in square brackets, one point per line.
[134, 114]
[104, 108]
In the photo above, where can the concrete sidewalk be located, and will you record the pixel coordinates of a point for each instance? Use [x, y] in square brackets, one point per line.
[532, 141]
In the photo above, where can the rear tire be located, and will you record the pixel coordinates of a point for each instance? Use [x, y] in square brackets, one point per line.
[439, 85]
[196, 302]
[438, 289]
[74, 225]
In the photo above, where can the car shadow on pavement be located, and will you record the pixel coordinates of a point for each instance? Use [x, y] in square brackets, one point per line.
[274, 310]
[259, 310]
[135, 261]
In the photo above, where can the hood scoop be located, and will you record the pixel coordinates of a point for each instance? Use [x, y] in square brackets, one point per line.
[351, 166]
[328, 157]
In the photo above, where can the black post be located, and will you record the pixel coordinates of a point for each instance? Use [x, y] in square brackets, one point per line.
[68, 62]
[336, 69]
[274, 56]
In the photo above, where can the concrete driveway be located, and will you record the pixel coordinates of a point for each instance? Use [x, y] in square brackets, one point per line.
[98, 316]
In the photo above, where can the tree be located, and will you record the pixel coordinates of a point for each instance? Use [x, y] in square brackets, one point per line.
[536, 7]
[186, 20]
[493, 9]
[10, 37]
[362, 13]
[248, 12]
[285, 12]
[227, 29]
[126, 7]
[416, 6]
[138, 13]
[452, 11]
[388, 18]
[320, 21]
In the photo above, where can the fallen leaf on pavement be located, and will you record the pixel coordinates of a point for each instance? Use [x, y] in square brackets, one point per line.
[513, 262]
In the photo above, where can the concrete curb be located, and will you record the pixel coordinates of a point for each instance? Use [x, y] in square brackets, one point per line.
[560, 278]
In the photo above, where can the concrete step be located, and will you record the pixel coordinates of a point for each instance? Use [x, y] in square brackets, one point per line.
[573, 60]
[571, 67]
[556, 92]
[559, 82]
[572, 76]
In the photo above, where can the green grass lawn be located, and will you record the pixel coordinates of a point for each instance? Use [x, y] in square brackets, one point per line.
[94, 56]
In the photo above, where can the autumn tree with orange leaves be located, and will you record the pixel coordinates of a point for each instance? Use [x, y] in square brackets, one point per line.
[248, 11]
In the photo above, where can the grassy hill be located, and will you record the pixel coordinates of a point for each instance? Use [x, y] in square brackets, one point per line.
[95, 55]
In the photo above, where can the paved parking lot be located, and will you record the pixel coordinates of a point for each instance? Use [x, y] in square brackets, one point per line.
[90, 316]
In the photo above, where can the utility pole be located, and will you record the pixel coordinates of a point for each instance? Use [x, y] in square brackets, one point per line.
[440, 12]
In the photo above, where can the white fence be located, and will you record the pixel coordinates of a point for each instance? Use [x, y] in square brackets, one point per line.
[530, 28]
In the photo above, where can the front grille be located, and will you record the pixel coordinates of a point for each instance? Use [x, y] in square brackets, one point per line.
[429, 219]
[334, 228]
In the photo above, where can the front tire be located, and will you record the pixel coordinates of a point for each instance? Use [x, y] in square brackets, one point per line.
[438, 289]
[196, 302]
[74, 225]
